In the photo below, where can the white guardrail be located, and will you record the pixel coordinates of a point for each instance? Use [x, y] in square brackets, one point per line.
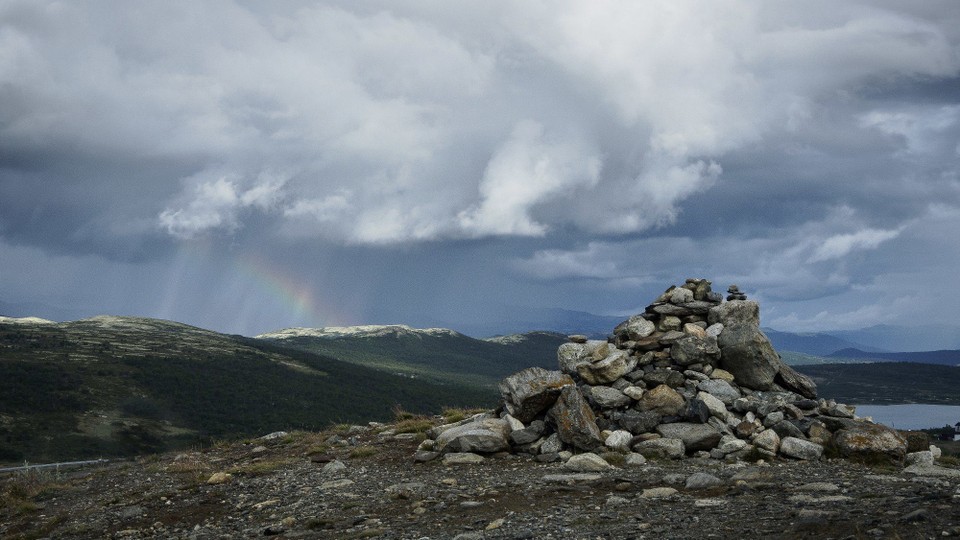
[61, 465]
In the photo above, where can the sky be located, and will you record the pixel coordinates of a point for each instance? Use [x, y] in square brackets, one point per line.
[248, 166]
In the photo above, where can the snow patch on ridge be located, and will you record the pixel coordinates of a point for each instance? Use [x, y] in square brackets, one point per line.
[369, 330]
[25, 320]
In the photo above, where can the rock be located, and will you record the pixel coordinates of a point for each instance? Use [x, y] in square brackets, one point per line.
[219, 478]
[729, 444]
[660, 448]
[515, 425]
[694, 436]
[552, 445]
[767, 440]
[670, 337]
[669, 323]
[658, 492]
[785, 428]
[423, 456]
[721, 374]
[714, 405]
[714, 329]
[669, 377]
[800, 449]
[574, 420]
[611, 368]
[577, 338]
[745, 350]
[695, 331]
[571, 479]
[634, 459]
[587, 462]
[528, 434]
[917, 441]
[696, 411]
[606, 397]
[702, 480]
[681, 296]
[638, 422]
[694, 350]
[529, 392]
[633, 392]
[462, 458]
[870, 443]
[486, 435]
[662, 400]
[334, 466]
[619, 440]
[933, 471]
[719, 389]
[790, 379]
[570, 355]
[919, 458]
[634, 328]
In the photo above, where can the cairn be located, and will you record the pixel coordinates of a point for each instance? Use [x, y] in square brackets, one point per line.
[690, 376]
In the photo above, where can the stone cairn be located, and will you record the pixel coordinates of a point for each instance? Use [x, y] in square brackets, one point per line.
[691, 376]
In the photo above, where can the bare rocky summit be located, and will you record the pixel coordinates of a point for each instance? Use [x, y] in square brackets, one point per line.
[359, 482]
[684, 423]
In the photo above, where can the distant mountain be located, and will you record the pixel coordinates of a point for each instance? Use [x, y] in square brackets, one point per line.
[886, 383]
[946, 357]
[905, 338]
[38, 309]
[110, 386]
[432, 354]
[517, 320]
[816, 344]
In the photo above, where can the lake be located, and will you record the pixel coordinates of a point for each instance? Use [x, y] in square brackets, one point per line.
[912, 416]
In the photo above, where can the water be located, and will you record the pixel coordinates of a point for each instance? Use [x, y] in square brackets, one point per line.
[912, 416]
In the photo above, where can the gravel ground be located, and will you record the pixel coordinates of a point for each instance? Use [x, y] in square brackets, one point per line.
[289, 487]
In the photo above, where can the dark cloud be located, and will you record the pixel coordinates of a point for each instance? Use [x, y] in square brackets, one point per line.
[246, 166]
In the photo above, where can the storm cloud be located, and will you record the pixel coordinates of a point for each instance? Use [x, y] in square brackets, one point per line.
[341, 162]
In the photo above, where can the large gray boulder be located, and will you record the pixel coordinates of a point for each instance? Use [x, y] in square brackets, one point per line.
[746, 352]
[694, 436]
[485, 435]
[871, 443]
[574, 420]
[634, 328]
[531, 391]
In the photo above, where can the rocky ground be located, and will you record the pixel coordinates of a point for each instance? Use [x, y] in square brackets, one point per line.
[361, 482]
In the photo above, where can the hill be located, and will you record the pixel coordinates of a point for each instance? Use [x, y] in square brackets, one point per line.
[111, 386]
[886, 382]
[815, 344]
[946, 357]
[432, 354]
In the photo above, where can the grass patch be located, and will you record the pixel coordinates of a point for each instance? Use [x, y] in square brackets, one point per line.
[418, 424]
[23, 491]
[260, 468]
[456, 414]
[361, 452]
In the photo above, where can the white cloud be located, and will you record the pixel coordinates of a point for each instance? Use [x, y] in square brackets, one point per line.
[216, 204]
[840, 245]
[526, 170]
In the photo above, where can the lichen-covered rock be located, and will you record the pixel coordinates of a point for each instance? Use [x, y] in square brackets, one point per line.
[745, 350]
[871, 443]
[660, 448]
[694, 350]
[634, 328]
[607, 397]
[575, 422]
[662, 400]
[529, 392]
[617, 364]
